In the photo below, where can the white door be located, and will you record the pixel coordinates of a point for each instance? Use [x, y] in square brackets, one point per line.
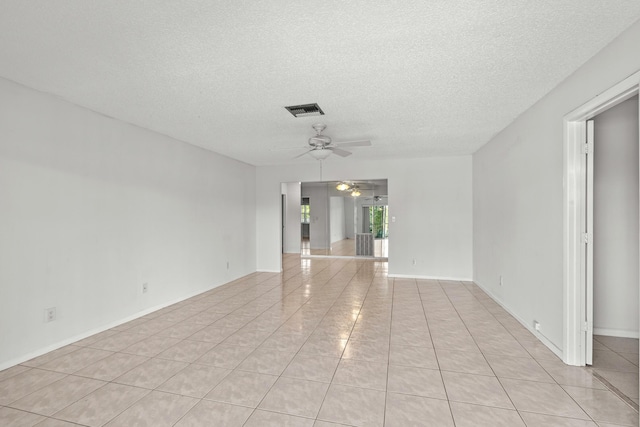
[588, 320]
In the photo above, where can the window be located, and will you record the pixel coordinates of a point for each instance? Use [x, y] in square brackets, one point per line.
[304, 211]
[379, 221]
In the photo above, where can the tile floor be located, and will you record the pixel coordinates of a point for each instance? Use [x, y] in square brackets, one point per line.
[615, 362]
[327, 343]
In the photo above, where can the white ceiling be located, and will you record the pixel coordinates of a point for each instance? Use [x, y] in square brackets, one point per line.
[416, 77]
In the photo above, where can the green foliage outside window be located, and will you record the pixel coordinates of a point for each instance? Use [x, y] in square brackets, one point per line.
[379, 221]
[304, 214]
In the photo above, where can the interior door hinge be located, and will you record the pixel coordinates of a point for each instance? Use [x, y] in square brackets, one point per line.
[586, 148]
[586, 327]
[587, 237]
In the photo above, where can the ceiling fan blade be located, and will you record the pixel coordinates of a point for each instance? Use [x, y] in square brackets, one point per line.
[362, 143]
[339, 152]
[306, 151]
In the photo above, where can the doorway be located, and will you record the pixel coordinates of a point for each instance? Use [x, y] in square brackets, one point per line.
[578, 237]
[615, 192]
[283, 222]
[345, 219]
[305, 221]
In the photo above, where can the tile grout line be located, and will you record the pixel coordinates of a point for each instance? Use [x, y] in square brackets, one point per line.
[267, 392]
[347, 343]
[481, 352]
[386, 391]
[424, 312]
[279, 376]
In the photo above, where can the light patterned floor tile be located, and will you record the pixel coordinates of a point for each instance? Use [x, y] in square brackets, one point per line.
[151, 373]
[404, 410]
[542, 398]
[52, 398]
[101, 406]
[358, 373]
[295, 397]
[10, 417]
[14, 370]
[242, 388]
[186, 351]
[523, 368]
[271, 419]
[75, 361]
[25, 383]
[353, 406]
[113, 366]
[206, 412]
[419, 357]
[53, 422]
[466, 415]
[476, 389]
[416, 381]
[194, 380]
[156, 409]
[541, 420]
[602, 405]
[470, 362]
[312, 368]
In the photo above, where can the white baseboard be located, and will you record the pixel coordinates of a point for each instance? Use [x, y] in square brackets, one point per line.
[620, 333]
[413, 276]
[544, 340]
[268, 271]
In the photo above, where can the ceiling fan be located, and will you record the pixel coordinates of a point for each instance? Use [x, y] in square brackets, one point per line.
[322, 145]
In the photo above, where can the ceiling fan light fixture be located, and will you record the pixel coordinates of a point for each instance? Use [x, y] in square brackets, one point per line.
[320, 154]
[355, 192]
[319, 140]
[343, 186]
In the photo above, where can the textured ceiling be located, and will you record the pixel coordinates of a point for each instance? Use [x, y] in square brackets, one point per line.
[416, 77]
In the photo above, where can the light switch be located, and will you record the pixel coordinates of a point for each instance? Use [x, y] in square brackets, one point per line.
[393, 219]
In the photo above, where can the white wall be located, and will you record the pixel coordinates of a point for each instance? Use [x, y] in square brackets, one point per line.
[518, 194]
[91, 207]
[430, 198]
[615, 227]
[293, 228]
[337, 219]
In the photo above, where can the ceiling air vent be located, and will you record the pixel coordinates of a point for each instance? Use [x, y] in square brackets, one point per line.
[305, 110]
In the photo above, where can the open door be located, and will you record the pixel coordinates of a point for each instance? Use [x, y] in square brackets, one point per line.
[588, 240]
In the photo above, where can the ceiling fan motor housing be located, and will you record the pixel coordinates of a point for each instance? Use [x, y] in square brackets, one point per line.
[319, 141]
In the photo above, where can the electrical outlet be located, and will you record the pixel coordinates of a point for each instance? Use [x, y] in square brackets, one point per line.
[49, 314]
[536, 325]
[501, 281]
[414, 261]
[145, 288]
[227, 265]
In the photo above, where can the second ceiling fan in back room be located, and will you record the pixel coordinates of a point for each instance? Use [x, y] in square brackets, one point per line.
[321, 146]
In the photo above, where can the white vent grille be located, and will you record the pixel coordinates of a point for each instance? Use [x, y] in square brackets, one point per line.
[305, 110]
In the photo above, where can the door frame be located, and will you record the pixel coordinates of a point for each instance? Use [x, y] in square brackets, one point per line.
[574, 215]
